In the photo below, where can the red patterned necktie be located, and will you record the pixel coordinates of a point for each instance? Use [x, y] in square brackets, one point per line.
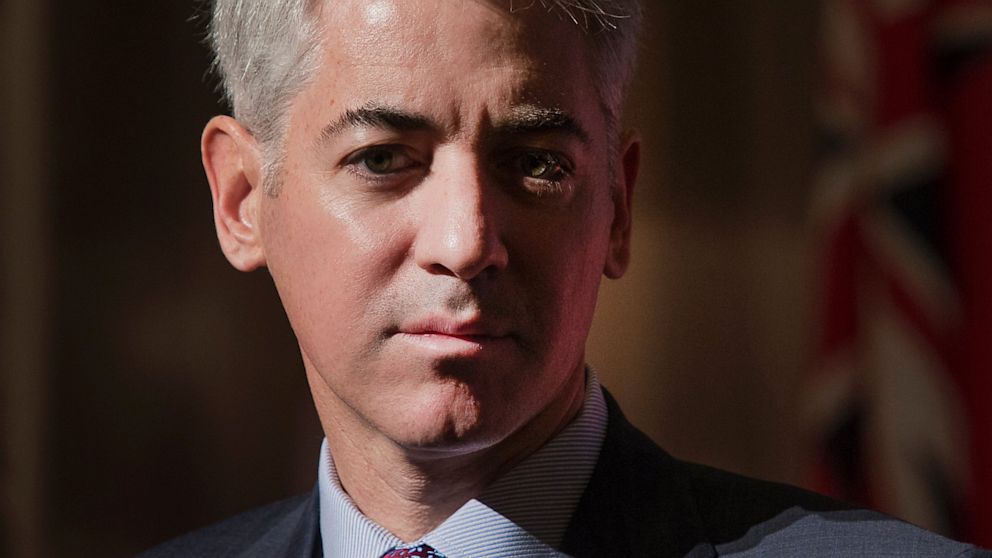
[419, 551]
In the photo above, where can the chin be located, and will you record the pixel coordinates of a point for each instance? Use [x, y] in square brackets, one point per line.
[453, 421]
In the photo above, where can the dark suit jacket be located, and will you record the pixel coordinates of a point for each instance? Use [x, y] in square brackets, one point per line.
[640, 502]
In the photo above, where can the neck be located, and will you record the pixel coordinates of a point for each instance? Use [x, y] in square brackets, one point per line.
[410, 492]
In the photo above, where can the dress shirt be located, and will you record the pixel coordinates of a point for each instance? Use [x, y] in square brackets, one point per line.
[524, 513]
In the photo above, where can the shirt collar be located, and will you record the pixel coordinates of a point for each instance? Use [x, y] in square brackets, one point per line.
[524, 513]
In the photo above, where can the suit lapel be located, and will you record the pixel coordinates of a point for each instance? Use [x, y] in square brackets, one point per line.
[638, 502]
[296, 534]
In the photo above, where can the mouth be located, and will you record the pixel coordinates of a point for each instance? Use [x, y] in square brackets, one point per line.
[444, 336]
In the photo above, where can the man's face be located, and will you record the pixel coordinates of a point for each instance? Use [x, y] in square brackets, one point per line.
[444, 218]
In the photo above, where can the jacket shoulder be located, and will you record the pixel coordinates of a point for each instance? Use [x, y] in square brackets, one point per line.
[750, 517]
[727, 502]
[699, 510]
[284, 528]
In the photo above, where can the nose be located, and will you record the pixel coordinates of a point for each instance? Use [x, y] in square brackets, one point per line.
[459, 232]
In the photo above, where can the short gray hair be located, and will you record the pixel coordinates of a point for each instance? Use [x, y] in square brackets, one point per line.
[267, 51]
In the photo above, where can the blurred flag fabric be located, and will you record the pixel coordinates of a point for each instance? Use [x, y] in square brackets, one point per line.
[900, 399]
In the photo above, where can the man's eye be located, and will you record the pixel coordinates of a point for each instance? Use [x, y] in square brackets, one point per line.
[541, 165]
[381, 160]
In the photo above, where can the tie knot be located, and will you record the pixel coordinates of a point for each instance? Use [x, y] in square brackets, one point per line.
[418, 551]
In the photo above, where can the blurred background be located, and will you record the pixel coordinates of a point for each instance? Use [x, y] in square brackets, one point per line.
[810, 298]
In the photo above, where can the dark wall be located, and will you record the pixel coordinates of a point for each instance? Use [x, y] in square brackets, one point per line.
[177, 391]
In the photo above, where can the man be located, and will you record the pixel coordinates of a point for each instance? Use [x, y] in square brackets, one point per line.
[436, 188]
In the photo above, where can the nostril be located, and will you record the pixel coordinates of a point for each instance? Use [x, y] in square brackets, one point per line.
[438, 269]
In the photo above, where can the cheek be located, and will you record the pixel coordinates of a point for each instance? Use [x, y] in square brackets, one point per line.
[563, 259]
[570, 246]
[349, 222]
[328, 258]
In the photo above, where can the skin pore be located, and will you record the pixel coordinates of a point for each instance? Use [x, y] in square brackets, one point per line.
[445, 215]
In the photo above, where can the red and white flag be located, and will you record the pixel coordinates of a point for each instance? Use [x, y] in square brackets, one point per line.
[900, 402]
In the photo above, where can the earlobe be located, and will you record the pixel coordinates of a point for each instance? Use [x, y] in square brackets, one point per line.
[231, 161]
[618, 257]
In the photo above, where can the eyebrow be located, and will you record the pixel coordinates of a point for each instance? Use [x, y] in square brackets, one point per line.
[523, 120]
[536, 120]
[377, 116]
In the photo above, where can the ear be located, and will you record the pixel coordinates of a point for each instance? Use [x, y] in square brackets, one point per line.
[233, 166]
[623, 193]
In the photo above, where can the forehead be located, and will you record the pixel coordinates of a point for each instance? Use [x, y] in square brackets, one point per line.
[402, 51]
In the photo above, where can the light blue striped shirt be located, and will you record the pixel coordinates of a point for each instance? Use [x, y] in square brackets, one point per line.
[524, 513]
